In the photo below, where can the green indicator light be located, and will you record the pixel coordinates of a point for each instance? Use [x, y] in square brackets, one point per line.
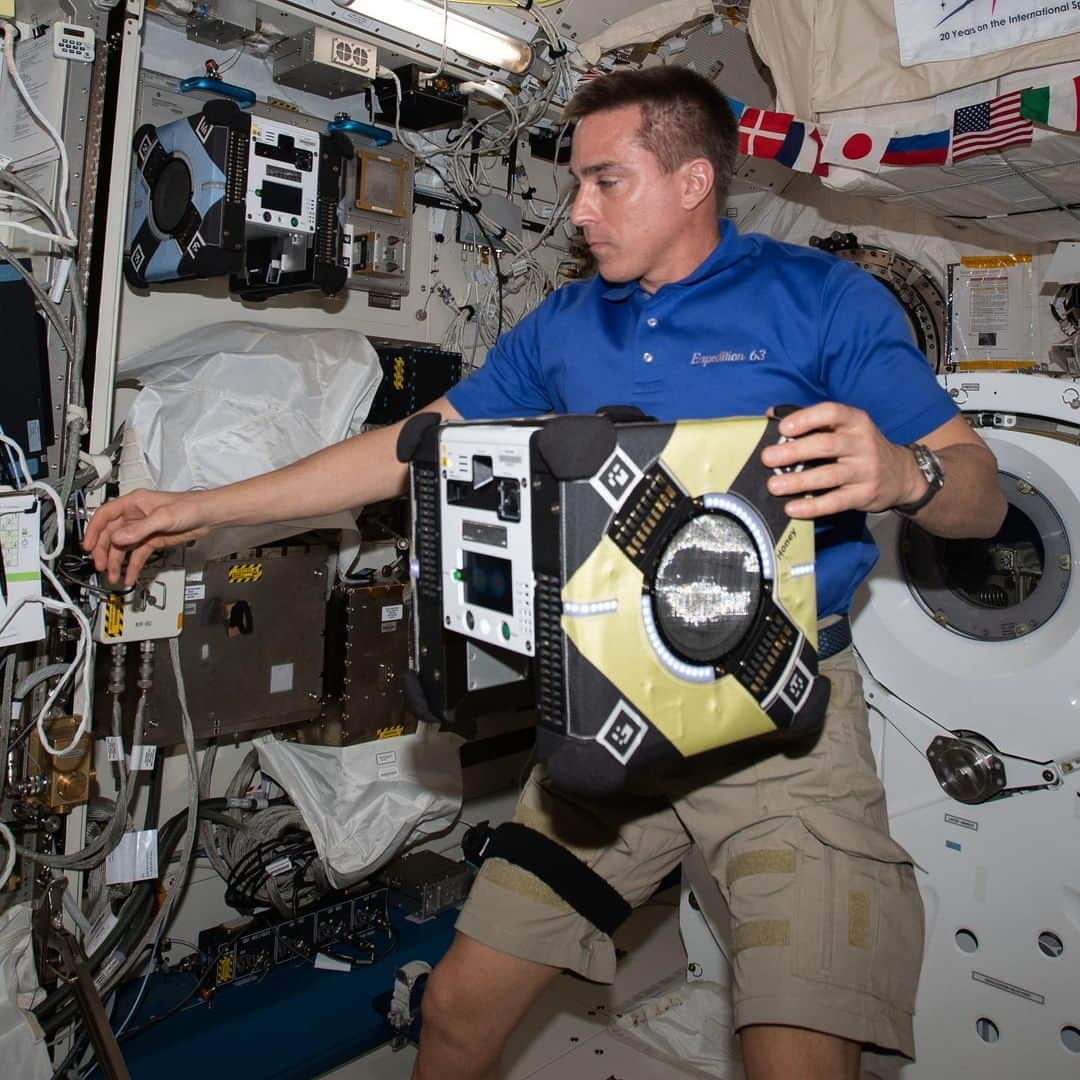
[258, 193]
[295, 221]
[506, 631]
[457, 575]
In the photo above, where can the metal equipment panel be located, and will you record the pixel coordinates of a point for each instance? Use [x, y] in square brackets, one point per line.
[252, 647]
[369, 632]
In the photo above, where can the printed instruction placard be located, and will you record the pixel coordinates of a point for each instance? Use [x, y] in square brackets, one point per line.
[992, 313]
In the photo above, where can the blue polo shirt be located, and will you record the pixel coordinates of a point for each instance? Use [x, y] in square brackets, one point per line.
[758, 323]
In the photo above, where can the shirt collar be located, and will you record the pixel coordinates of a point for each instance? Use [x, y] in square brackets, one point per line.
[730, 248]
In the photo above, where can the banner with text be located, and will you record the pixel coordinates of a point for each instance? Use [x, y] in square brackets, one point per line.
[959, 29]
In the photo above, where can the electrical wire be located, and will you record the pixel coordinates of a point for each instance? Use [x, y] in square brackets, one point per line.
[7, 708]
[9, 856]
[50, 671]
[83, 655]
[97, 849]
[164, 915]
[75, 414]
[52, 312]
[146, 978]
[10, 33]
[74, 342]
[445, 33]
[29, 483]
[54, 238]
[353, 962]
[479, 141]
[68, 567]
[27, 193]
[183, 1003]
[251, 879]
[133, 923]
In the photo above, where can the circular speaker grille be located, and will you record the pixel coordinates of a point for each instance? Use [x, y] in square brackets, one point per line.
[707, 587]
[170, 197]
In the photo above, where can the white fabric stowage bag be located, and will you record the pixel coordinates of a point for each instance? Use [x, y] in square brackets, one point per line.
[363, 803]
[229, 401]
[23, 1053]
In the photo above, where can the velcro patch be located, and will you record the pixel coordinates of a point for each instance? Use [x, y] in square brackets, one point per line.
[762, 861]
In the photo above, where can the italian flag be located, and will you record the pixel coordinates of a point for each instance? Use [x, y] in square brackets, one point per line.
[1053, 106]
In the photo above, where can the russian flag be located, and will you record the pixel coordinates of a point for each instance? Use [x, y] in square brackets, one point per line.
[930, 148]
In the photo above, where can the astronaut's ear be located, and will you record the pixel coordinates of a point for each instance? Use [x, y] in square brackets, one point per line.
[699, 180]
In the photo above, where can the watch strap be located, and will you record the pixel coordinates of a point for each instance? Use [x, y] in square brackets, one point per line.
[930, 466]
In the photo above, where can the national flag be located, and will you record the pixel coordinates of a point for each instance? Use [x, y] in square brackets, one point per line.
[990, 125]
[1056, 106]
[856, 145]
[927, 148]
[809, 159]
[737, 107]
[762, 132]
[801, 149]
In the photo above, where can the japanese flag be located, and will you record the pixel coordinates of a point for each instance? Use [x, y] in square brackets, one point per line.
[856, 145]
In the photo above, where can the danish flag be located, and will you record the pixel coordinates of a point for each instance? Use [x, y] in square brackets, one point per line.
[762, 133]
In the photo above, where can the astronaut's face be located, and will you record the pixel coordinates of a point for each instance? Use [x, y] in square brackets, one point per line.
[633, 214]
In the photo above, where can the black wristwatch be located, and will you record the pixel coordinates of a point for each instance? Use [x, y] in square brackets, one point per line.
[929, 465]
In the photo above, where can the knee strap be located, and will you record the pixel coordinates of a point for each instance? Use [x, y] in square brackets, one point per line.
[581, 887]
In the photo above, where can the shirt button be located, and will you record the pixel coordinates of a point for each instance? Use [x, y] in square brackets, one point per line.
[647, 358]
[650, 321]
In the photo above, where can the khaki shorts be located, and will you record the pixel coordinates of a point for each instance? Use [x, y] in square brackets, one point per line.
[826, 919]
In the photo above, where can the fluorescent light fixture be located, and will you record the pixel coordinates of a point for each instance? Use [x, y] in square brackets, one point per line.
[463, 35]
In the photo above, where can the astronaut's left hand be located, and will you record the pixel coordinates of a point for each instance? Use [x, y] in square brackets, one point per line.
[847, 463]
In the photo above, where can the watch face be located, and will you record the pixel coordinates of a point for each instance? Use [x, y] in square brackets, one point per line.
[929, 465]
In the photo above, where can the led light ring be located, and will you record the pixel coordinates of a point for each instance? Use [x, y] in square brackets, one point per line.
[596, 607]
[755, 525]
[683, 669]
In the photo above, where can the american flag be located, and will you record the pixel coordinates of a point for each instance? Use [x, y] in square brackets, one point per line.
[990, 125]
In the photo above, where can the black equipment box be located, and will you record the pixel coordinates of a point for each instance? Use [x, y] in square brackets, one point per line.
[436, 105]
[413, 376]
[427, 883]
[248, 947]
[542, 144]
[26, 406]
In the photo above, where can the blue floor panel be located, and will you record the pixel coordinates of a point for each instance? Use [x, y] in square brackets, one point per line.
[292, 1024]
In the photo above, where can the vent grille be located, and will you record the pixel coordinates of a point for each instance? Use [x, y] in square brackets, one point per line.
[237, 170]
[426, 493]
[326, 228]
[352, 55]
[550, 660]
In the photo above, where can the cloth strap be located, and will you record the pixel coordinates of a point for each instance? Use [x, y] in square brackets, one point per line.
[581, 887]
[833, 638]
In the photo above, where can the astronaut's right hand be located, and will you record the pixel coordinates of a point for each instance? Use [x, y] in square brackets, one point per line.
[126, 531]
